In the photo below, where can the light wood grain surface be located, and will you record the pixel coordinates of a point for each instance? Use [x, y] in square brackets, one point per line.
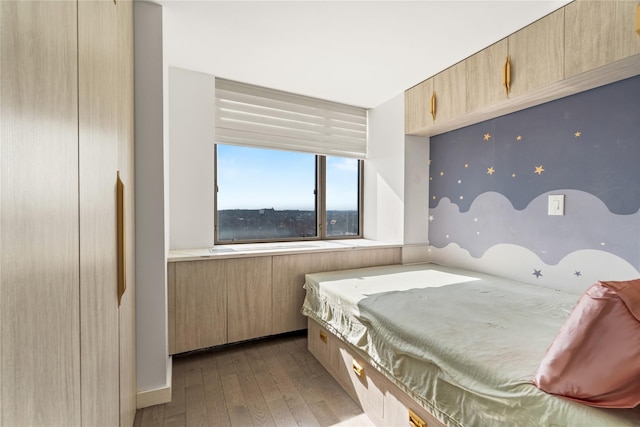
[484, 76]
[537, 54]
[417, 113]
[269, 382]
[127, 324]
[98, 133]
[39, 239]
[200, 305]
[598, 33]
[450, 87]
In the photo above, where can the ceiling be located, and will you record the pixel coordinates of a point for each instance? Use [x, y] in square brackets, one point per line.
[360, 53]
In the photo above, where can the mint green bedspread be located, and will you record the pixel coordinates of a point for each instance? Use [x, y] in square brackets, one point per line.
[463, 344]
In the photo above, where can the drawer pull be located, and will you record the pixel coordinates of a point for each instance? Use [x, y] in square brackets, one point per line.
[638, 20]
[433, 106]
[415, 420]
[358, 369]
[323, 336]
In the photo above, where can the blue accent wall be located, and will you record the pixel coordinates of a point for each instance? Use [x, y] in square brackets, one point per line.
[489, 185]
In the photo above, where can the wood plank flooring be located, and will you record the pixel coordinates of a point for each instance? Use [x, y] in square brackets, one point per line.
[269, 382]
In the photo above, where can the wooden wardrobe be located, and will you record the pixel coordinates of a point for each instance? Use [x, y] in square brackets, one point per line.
[67, 346]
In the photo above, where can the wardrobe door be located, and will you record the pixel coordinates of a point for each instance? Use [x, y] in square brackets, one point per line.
[99, 340]
[126, 167]
[39, 283]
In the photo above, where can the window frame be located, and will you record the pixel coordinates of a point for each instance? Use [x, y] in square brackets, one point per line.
[320, 205]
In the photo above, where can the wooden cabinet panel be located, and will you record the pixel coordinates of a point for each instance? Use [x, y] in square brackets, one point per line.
[537, 54]
[98, 136]
[39, 279]
[450, 87]
[127, 324]
[248, 298]
[484, 76]
[200, 305]
[417, 111]
[598, 33]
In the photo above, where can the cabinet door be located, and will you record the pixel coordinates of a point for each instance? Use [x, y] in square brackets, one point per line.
[249, 298]
[537, 54]
[39, 279]
[417, 111]
[99, 341]
[450, 88]
[200, 305]
[598, 33]
[485, 76]
[127, 313]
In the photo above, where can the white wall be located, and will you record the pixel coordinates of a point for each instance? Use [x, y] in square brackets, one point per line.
[191, 151]
[416, 199]
[384, 173]
[151, 199]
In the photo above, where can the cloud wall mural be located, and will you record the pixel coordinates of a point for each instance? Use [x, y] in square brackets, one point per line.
[489, 187]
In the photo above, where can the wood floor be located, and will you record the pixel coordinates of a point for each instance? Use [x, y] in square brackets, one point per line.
[270, 382]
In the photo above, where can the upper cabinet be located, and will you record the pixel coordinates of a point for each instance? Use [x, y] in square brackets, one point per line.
[584, 45]
[485, 79]
[437, 99]
[536, 55]
[600, 32]
[449, 90]
[417, 111]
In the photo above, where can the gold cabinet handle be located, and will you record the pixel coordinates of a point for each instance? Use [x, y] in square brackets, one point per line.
[506, 75]
[358, 369]
[638, 19]
[323, 336]
[121, 239]
[433, 106]
[415, 420]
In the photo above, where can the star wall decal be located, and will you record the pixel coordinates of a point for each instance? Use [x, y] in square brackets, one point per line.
[487, 136]
[577, 273]
[519, 138]
[513, 175]
[430, 218]
[577, 134]
[539, 170]
[429, 161]
[490, 170]
[537, 273]
[441, 173]
[466, 165]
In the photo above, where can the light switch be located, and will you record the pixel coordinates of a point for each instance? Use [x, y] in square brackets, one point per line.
[556, 204]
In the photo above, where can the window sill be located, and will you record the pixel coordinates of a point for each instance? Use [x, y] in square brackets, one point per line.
[275, 248]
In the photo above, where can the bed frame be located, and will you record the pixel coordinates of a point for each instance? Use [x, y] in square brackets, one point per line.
[383, 402]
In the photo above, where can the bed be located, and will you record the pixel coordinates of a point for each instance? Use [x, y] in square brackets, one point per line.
[461, 347]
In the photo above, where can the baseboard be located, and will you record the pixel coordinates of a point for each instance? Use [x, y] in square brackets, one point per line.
[157, 396]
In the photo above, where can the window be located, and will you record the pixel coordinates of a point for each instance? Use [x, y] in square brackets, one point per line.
[275, 195]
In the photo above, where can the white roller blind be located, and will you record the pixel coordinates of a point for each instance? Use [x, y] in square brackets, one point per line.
[261, 117]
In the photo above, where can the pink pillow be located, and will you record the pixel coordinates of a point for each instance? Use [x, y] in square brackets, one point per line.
[595, 358]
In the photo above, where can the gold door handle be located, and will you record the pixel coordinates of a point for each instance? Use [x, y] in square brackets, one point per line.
[506, 75]
[121, 238]
[433, 106]
[358, 369]
[415, 420]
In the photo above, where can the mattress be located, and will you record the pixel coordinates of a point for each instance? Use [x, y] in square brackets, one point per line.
[464, 345]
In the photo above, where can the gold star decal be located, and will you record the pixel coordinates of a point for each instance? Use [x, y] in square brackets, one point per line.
[466, 165]
[429, 161]
[490, 170]
[513, 175]
[434, 197]
[441, 173]
[519, 138]
[430, 178]
[577, 134]
[539, 170]
[487, 136]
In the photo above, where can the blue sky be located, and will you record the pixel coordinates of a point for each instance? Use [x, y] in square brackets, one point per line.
[254, 178]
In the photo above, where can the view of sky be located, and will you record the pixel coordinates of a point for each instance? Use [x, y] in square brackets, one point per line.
[256, 178]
